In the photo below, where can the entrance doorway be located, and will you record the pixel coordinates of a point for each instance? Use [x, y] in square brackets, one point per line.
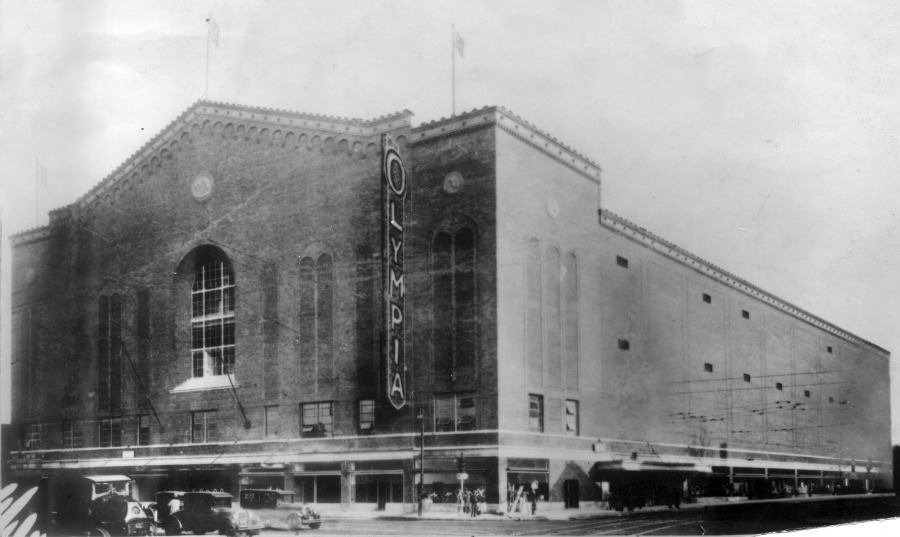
[570, 492]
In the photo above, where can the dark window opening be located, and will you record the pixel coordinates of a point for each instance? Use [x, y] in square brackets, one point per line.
[624, 344]
[708, 367]
[707, 298]
[806, 393]
[621, 261]
[535, 413]
[745, 314]
[746, 377]
[779, 386]
[829, 349]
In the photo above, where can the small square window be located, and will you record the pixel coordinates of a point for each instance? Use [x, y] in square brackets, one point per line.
[779, 386]
[621, 261]
[624, 344]
[831, 399]
[707, 298]
[746, 377]
[708, 367]
[829, 349]
[745, 314]
[805, 393]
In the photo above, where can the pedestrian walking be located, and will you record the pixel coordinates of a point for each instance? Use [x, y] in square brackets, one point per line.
[473, 504]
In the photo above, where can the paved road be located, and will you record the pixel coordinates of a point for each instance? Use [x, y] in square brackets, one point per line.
[665, 523]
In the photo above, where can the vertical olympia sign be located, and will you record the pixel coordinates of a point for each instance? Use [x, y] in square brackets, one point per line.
[393, 194]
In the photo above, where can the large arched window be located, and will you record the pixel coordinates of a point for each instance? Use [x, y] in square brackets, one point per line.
[212, 315]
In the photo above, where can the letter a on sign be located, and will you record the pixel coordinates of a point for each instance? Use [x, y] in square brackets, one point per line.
[393, 193]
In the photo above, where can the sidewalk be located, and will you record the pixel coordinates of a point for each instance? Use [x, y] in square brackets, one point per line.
[584, 513]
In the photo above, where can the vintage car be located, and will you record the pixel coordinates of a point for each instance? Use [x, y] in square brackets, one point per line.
[96, 505]
[277, 509]
[206, 512]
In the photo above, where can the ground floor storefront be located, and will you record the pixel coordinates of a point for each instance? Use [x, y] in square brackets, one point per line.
[395, 473]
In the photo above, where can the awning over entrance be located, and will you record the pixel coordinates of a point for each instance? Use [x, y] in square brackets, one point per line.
[644, 462]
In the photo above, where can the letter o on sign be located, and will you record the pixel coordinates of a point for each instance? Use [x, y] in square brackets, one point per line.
[394, 172]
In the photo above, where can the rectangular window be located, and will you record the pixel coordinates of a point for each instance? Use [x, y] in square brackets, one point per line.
[143, 430]
[624, 344]
[708, 367]
[272, 420]
[317, 419]
[831, 399]
[73, 434]
[204, 426]
[366, 415]
[572, 425]
[745, 314]
[535, 413]
[746, 377]
[621, 261]
[806, 393]
[707, 298]
[829, 349]
[110, 431]
[454, 412]
[779, 386]
[34, 436]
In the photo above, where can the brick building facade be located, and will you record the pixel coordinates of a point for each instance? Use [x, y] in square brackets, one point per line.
[211, 315]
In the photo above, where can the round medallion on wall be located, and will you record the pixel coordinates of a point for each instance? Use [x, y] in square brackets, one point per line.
[552, 208]
[453, 183]
[201, 187]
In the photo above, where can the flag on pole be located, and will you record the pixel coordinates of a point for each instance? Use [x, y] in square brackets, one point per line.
[213, 31]
[458, 43]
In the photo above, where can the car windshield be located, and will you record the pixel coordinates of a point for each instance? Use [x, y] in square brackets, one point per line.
[223, 501]
[115, 487]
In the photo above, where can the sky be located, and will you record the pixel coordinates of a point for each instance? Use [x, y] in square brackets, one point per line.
[761, 136]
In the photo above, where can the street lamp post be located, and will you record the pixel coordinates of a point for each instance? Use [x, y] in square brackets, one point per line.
[421, 461]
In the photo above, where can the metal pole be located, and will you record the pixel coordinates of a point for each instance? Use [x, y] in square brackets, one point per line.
[421, 463]
[453, 62]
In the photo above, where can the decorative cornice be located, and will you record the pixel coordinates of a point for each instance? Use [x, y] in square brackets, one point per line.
[640, 235]
[29, 235]
[514, 125]
[276, 120]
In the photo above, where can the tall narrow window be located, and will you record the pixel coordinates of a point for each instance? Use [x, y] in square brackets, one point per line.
[366, 415]
[34, 436]
[204, 426]
[143, 430]
[212, 318]
[315, 321]
[572, 424]
[535, 413]
[110, 432]
[109, 362]
[454, 314]
[272, 421]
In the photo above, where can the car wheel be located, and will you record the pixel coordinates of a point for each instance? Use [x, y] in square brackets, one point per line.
[172, 527]
[314, 525]
[294, 523]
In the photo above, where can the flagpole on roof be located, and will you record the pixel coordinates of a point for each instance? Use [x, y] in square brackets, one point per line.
[453, 63]
[206, 86]
[212, 34]
[456, 45]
